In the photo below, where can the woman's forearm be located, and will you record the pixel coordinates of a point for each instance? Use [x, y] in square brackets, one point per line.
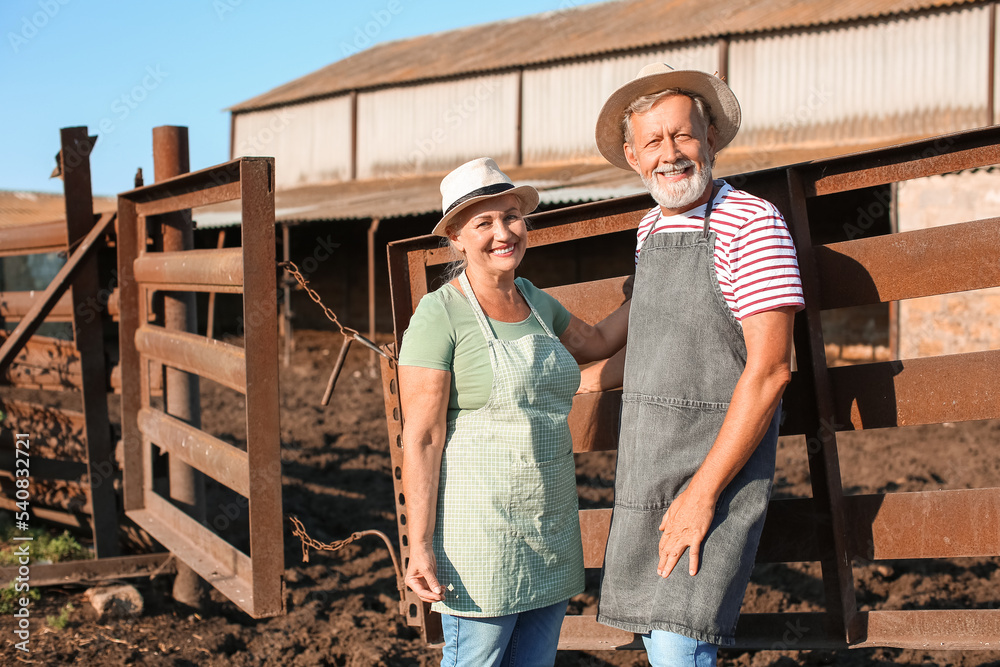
[424, 395]
[421, 475]
[592, 342]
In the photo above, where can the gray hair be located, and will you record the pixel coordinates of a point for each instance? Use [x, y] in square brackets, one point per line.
[455, 267]
[647, 102]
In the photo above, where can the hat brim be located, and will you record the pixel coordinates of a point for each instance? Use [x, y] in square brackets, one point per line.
[725, 108]
[526, 195]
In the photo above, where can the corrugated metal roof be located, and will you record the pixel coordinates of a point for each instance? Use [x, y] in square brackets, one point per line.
[416, 195]
[557, 184]
[26, 208]
[571, 33]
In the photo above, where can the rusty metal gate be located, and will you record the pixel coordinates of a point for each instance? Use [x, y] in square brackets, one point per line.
[253, 581]
[830, 527]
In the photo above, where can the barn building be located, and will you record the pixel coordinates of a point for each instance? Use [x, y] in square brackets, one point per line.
[361, 144]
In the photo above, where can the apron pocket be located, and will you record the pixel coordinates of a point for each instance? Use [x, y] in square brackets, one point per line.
[543, 496]
[654, 467]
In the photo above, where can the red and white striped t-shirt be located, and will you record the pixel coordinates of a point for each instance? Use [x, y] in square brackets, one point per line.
[754, 256]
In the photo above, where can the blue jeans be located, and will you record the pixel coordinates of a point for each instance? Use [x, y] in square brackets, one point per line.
[668, 649]
[528, 639]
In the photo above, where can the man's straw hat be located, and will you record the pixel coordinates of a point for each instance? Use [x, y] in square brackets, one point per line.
[655, 78]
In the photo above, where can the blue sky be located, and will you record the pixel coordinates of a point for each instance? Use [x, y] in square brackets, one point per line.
[128, 66]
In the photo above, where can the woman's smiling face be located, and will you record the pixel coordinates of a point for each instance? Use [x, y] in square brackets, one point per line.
[494, 236]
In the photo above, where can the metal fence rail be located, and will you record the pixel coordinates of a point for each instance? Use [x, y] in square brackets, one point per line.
[828, 527]
[254, 585]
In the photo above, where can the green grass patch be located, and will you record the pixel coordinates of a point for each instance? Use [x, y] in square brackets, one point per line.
[59, 622]
[9, 597]
[46, 546]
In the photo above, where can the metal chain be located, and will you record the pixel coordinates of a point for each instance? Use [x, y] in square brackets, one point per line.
[332, 316]
[348, 332]
[311, 543]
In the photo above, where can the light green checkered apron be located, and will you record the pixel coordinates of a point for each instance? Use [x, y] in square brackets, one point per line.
[507, 532]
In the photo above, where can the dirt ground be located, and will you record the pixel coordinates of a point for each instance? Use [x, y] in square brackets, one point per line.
[342, 608]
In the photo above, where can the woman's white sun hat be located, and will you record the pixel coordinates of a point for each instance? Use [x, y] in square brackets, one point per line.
[655, 78]
[475, 181]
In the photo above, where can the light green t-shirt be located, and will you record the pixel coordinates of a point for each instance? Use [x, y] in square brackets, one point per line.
[444, 335]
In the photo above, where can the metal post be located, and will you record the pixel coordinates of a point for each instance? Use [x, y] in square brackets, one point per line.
[894, 305]
[723, 58]
[232, 136]
[991, 55]
[354, 135]
[372, 357]
[824, 464]
[181, 390]
[519, 120]
[88, 333]
[210, 327]
[286, 307]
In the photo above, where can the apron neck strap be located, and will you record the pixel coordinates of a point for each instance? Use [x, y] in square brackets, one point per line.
[484, 322]
[708, 208]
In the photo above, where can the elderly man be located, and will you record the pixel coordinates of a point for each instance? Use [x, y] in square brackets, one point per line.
[707, 360]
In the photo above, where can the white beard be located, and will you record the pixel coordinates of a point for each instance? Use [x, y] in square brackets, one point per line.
[682, 193]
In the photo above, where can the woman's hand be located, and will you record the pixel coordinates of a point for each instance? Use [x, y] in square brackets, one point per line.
[603, 375]
[421, 575]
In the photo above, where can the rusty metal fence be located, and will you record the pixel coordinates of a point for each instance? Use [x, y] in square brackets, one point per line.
[830, 527]
[251, 580]
[72, 466]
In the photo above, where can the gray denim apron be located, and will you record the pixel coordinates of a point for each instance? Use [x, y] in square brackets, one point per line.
[685, 354]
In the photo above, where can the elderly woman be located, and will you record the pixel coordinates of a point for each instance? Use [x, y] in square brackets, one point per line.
[487, 372]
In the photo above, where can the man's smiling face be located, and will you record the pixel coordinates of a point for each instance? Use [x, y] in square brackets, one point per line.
[672, 151]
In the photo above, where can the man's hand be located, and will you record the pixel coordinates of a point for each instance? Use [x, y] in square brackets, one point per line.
[421, 575]
[684, 526]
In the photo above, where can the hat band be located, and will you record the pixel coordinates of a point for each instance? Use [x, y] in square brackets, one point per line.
[494, 189]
